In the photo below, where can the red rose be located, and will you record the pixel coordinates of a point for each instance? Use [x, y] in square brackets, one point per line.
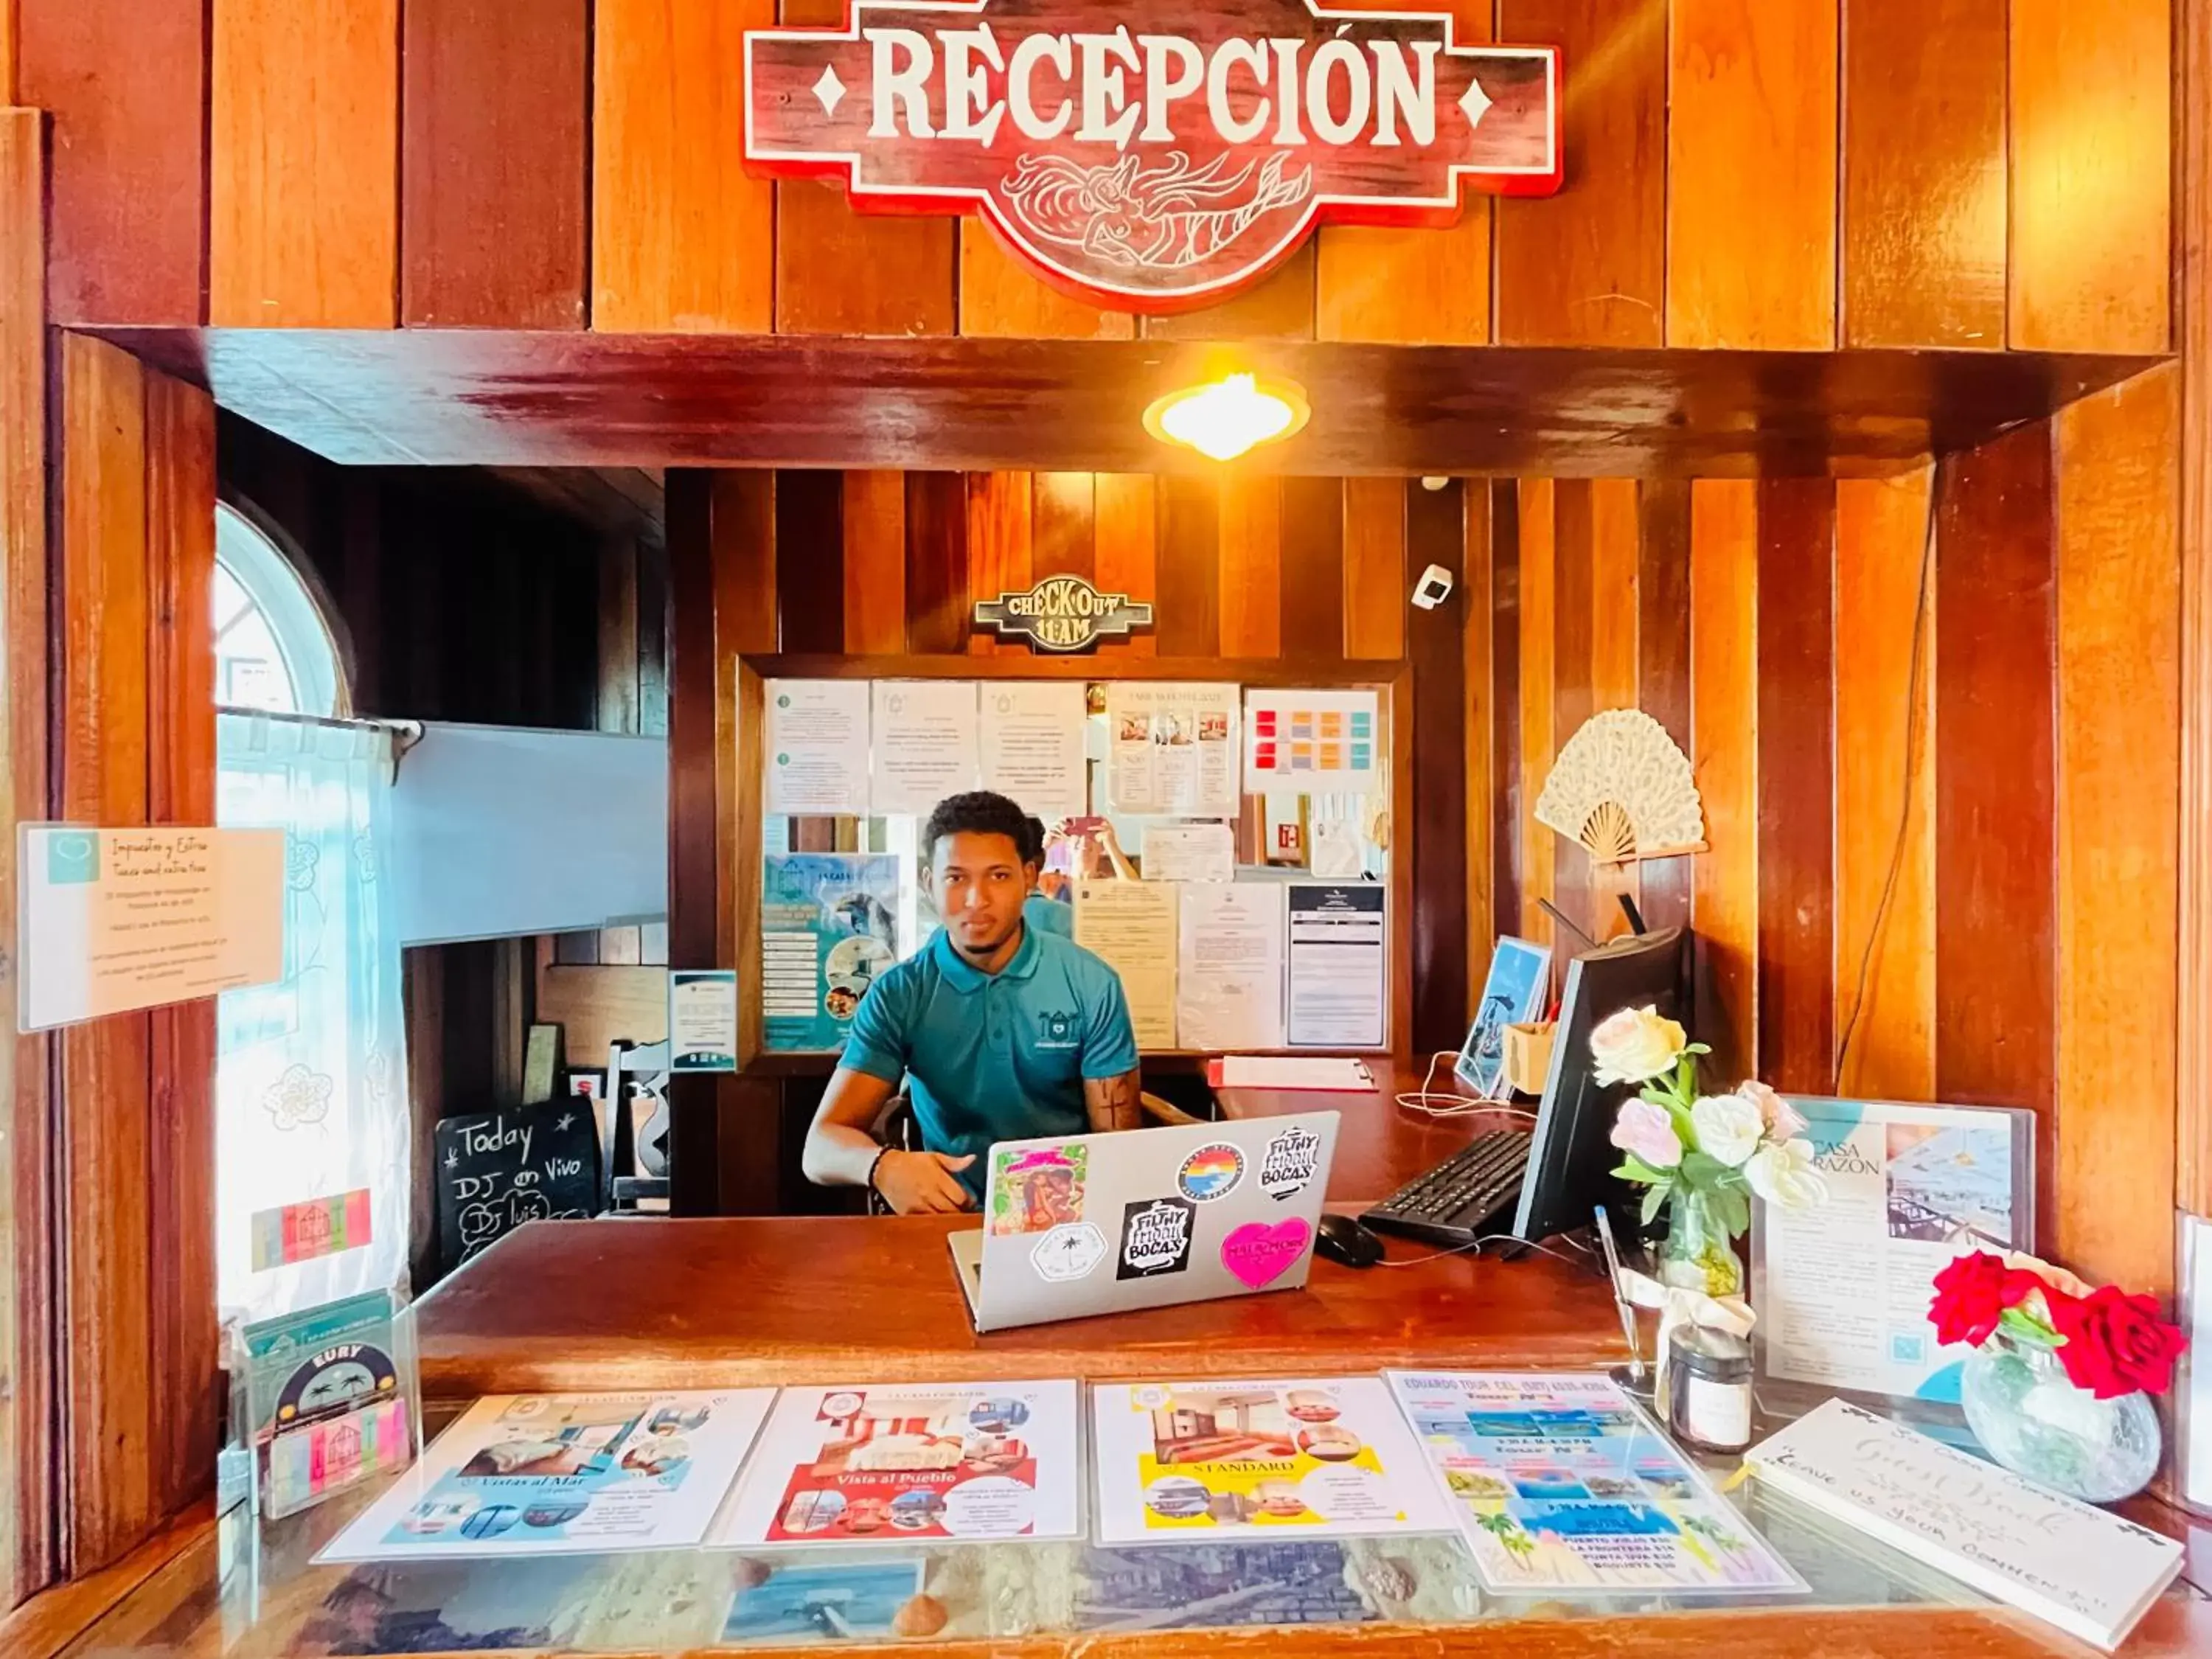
[1972, 1295]
[2116, 1344]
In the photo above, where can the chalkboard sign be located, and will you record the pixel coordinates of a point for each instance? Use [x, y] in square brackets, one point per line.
[499, 1170]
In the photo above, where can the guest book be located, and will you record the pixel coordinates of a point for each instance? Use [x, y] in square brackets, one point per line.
[2090, 1573]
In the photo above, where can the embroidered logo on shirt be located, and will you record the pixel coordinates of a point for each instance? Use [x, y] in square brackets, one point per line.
[1059, 1031]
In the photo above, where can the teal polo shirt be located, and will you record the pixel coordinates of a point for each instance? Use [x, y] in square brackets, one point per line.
[997, 1056]
[1049, 915]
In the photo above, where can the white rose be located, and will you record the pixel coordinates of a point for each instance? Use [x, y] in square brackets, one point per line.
[1728, 1128]
[1635, 1046]
[1784, 1175]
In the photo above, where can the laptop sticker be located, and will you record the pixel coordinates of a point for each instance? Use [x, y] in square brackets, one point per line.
[1260, 1252]
[1210, 1172]
[1034, 1188]
[1069, 1252]
[1286, 1168]
[1155, 1237]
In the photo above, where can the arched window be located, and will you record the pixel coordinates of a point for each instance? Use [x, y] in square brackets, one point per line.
[273, 647]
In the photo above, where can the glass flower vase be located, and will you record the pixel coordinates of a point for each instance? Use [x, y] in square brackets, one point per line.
[1697, 1253]
[2031, 1419]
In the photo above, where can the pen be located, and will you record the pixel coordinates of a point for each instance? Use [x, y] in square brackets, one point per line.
[1620, 1300]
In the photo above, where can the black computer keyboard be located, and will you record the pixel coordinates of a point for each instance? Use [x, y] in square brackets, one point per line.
[1469, 1196]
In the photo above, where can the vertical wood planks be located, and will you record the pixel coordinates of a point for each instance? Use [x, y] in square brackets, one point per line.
[1280, 307]
[1885, 786]
[2120, 811]
[998, 548]
[937, 563]
[1574, 886]
[1064, 524]
[875, 563]
[303, 164]
[1588, 267]
[1436, 533]
[1000, 298]
[810, 560]
[1376, 589]
[1483, 783]
[1796, 784]
[2092, 112]
[1189, 614]
[1924, 213]
[1616, 547]
[1751, 175]
[126, 83]
[2193, 1065]
[1312, 597]
[683, 238]
[494, 163]
[1725, 749]
[1509, 862]
[1127, 551]
[1995, 843]
[842, 272]
[1251, 564]
[1538, 572]
[1662, 663]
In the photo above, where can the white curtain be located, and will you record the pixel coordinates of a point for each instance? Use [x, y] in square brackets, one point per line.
[311, 1079]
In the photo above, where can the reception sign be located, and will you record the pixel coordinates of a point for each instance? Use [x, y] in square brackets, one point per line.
[1147, 155]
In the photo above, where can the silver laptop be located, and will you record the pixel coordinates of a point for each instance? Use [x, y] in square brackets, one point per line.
[1145, 1219]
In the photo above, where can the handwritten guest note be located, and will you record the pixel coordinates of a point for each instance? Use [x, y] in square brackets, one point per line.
[2090, 1573]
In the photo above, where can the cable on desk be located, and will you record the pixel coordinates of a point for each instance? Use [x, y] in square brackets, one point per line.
[1431, 1101]
[1487, 1238]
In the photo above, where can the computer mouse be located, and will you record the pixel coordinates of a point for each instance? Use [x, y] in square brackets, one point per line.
[1341, 1239]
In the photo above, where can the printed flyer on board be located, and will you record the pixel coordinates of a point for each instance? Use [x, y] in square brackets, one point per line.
[915, 1462]
[549, 1474]
[1559, 1483]
[829, 925]
[1184, 1460]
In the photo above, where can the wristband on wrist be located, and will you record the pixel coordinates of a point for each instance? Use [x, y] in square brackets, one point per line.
[882, 1152]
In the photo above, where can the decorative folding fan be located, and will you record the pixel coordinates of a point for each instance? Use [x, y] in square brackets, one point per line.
[1622, 789]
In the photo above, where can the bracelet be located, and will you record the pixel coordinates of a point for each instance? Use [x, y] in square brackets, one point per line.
[882, 1152]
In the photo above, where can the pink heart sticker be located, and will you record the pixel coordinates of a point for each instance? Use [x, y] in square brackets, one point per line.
[1260, 1252]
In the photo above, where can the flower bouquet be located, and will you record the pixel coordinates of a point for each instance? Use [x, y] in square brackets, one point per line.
[1699, 1157]
[2058, 1387]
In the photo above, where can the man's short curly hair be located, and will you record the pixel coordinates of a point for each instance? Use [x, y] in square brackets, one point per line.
[980, 812]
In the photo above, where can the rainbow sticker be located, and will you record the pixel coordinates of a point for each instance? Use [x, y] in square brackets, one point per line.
[1213, 1171]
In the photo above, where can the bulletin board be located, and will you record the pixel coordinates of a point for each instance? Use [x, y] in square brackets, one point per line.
[841, 838]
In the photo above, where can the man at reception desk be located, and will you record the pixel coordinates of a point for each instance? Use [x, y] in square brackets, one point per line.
[1005, 1031]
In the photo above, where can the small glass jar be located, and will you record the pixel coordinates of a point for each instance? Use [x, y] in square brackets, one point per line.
[1709, 1378]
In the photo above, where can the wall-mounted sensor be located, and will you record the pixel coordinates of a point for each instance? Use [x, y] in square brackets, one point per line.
[1434, 481]
[1434, 589]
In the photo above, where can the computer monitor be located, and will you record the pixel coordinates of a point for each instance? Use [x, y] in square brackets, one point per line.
[1570, 1155]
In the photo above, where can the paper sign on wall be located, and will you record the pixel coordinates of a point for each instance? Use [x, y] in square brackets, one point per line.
[1171, 749]
[117, 919]
[1131, 925]
[1311, 740]
[816, 747]
[1228, 974]
[923, 746]
[702, 1020]
[1033, 749]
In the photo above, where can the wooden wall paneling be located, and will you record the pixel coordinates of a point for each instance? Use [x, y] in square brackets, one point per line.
[126, 82]
[1751, 175]
[2092, 125]
[618, 623]
[493, 185]
[1126, 549]
[2194, 259]
[810, 560]
[304, 165]
[1064, 524]
[999, 547]
[701, 731]
[1377, 589]
[1481, 783]
[1279, 307]
[1615, 549]
[1588, 267]
[111, 1419]
[2119, 818]
[938, 608]
[1923, 193]
[1725, 748]
[8, 37]
[1436, 533]
[1410, 287]
[1508, 791]
[1662, 663]
[653, 651]
[1996, 813]
[875, 563]
[1000, 298]
[1537, 610]
[1251, 576]
[1575, 889]
[28, 1301]
[1796, 789]
[683, 238]
[1885, 662]
[1313, 578]
[185, 1379]
[1189, 609]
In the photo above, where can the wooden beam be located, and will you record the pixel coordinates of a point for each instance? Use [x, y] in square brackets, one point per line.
[2193, 1078]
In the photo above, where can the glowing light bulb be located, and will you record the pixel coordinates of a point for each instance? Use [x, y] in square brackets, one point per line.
[1230, 417]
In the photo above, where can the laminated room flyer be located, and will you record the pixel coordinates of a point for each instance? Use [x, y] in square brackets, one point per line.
[1183, 1461]
[548, 1474]
[917, 1463]
[1559, 1483]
